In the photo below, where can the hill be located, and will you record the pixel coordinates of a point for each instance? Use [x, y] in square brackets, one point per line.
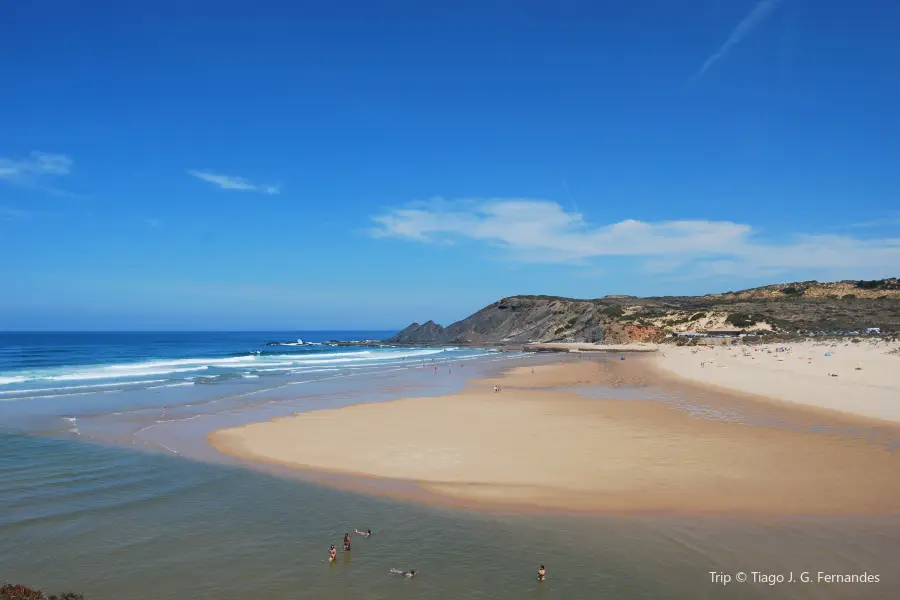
[780, 308]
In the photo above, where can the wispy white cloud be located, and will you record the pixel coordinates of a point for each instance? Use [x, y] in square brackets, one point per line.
[540, 231]
[8, 213]
[892, 221]
[227, 182]
[36, 166]
[759, 13]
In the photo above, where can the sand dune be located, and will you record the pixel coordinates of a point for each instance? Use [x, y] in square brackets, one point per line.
[531, 446]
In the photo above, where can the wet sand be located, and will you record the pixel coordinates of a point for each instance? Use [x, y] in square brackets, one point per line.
[539, 444]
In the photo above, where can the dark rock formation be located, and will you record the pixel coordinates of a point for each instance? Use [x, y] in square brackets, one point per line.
[426, 333]
[518, 319]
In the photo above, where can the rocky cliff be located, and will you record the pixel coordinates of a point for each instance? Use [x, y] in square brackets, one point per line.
[789, 307]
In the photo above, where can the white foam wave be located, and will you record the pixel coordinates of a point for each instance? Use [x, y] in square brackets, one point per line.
[18, 398]
[171, 385]
[108, 373]
[78, 387]
[139, 371]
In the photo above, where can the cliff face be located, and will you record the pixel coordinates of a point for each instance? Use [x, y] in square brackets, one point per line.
[517, 319]
[616, 319]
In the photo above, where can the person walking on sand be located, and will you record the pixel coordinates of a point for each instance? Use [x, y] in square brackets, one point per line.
[541, 573]
[332, 554]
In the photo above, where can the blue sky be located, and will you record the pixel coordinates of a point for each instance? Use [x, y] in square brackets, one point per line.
[365, 164]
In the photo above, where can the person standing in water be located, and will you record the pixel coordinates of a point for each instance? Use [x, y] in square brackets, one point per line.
[332, 554]
[541, 573]
[346, 542]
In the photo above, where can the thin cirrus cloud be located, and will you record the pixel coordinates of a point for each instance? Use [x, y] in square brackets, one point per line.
[541, 231]
[37, 165]
[8, 213]
[228, 182]
[756, 16]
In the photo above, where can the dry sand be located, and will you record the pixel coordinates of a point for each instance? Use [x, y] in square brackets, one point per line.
[529, 446]
[867, 382]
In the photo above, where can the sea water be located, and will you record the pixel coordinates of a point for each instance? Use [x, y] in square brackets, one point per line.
[94, 511]
[114, 385]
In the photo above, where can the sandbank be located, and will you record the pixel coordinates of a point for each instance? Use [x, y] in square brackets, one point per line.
[532, 445]
[860, 378]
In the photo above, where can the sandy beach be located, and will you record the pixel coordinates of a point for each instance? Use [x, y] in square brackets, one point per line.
[532, 445]
[854, 378]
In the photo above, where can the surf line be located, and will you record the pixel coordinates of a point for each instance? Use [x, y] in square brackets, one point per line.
[170, 450]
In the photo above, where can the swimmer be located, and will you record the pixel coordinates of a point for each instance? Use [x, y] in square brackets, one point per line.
[541, 573]
[332, 554]
[366, 533]
[407, 574]
[346, 542]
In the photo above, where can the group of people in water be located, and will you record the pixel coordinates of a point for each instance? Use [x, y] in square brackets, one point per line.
[348, 545]
[332, 556]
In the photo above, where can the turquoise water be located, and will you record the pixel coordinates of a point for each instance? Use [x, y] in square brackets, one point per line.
[136, 506]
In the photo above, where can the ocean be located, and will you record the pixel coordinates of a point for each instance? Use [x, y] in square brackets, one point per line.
[111, 386]
[108, 488]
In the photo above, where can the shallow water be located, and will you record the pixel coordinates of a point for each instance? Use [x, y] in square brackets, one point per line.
[116, 523]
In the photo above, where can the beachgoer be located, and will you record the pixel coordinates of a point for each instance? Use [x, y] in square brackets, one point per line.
[165, 410]
[496, 389]
[332, 554]
[541, 573]
[366, 533]
[407, 574]
[346, 542]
